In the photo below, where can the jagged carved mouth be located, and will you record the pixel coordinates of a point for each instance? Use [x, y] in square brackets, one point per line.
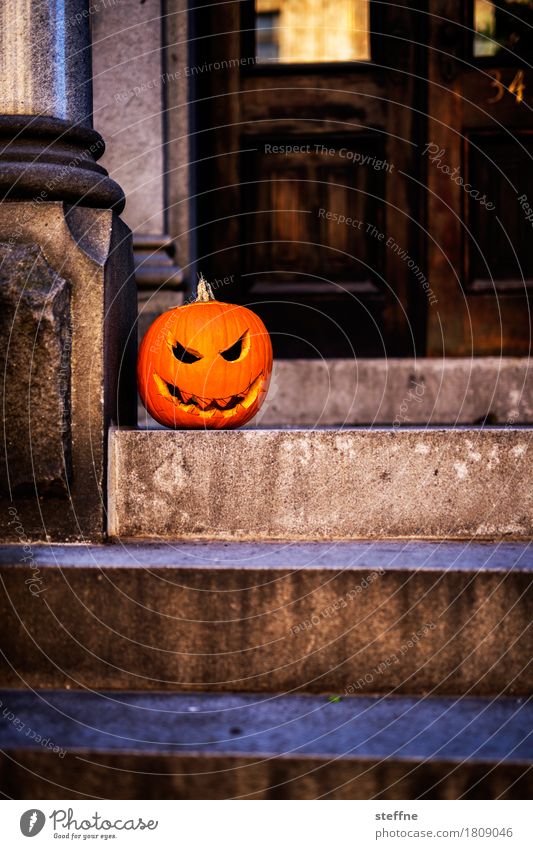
[207, 407]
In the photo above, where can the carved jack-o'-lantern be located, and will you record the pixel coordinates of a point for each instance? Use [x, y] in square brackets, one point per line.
[206, 364]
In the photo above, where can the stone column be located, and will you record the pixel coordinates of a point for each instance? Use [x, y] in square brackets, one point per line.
[67, 294]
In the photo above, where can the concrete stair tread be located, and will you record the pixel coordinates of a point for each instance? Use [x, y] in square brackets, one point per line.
[276, 725]
[415, 555]
[398, 617]
[322, 484]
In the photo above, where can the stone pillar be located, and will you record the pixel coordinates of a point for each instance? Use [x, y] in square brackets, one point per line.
[67, 293]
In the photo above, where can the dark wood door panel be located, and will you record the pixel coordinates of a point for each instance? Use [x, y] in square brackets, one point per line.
[312, 207]
[312, 104]
[484, 325]
[311, 267]
[259, 215]
[479, 157]
[499, 241]
[331, 321]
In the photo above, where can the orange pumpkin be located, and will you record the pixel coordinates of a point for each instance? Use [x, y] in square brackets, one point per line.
[206, 364]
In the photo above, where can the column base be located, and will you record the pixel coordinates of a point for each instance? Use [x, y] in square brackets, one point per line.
[68, 318]
[46, 159]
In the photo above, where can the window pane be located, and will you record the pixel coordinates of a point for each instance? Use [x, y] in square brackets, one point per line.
[312, 30]
[501, 26]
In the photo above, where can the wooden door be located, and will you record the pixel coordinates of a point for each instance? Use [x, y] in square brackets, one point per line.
[308, 169]
[479, 176]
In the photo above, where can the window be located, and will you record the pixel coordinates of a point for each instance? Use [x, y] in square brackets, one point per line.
[503, 27]
[267, 42]
[293, 31]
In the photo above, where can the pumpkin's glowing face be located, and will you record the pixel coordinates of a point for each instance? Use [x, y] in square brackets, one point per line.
[205, 365]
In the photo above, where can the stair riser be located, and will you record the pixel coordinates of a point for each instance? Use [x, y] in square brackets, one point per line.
[36, 775]
[256, 630]
[373, 391]
[329, 484]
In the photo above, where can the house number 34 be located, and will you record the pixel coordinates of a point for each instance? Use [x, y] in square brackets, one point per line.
[516, 87]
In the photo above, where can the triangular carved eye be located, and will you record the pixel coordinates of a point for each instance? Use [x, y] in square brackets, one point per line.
[183, 355]
[232, 354]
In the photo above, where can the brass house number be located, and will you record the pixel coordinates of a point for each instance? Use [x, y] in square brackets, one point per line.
[516, 87]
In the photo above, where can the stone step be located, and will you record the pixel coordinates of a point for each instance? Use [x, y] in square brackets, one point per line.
[428, 391]
[348, 617]
[209, 746]
[456, 483]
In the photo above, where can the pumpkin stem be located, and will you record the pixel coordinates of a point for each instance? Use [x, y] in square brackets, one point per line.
[204, 291]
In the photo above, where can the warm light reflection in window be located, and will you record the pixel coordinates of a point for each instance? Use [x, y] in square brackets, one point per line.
[312, 30]
[503, 27]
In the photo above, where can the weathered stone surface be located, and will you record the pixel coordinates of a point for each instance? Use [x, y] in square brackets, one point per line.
[178, 125]
[48, 150]
[46, 66]
[151, 303]
[383, 617]
[129, 111]
[155, 267]
[46, 159]
[322, 484]
[176, 746]
[129, 86]
[35, 359]
[403, 392]
[90, 250]
[49, 153]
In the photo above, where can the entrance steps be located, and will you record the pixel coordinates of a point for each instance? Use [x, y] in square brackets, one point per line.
[208, 746]
[289, 613]
[386, 617]
[302, 484]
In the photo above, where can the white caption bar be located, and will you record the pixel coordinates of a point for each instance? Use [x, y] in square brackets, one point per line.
[267, 825]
